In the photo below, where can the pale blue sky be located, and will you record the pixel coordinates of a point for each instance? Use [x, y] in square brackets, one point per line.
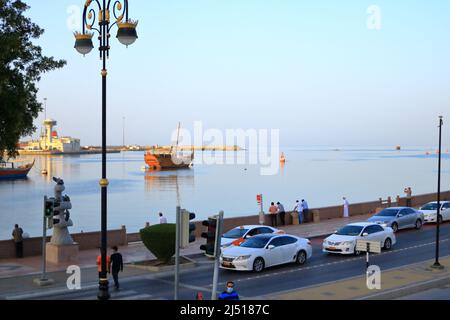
[310, 68]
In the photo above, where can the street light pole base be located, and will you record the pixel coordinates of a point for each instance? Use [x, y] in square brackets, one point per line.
[437, 265]
[103, 290]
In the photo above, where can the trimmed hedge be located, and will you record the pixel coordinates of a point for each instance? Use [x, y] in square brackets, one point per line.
[160, 240]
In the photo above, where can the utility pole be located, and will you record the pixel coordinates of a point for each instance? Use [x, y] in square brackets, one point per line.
[436, 264]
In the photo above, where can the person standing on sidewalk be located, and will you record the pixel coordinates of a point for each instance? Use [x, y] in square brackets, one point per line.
[281, 212]
[162, 219]
[346, 204]
[299, 209]
[273, 214]
[116, 265]
[408, 196]
[18, 240]
[305, 209]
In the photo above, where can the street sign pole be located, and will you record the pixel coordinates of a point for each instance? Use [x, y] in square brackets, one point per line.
[177, 251]
[217, 256]
[44, 238]
[259, 198]
[367, 256]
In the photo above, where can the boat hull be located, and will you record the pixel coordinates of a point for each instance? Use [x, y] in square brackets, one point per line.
[15, 173]
[165, 161]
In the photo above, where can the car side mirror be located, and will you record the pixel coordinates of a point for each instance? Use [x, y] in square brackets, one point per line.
[365, 234]
[270, 247]
[400, 215]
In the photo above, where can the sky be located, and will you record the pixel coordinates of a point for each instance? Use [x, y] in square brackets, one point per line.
[323, 72]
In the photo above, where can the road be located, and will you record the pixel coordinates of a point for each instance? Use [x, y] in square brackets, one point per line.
[412, 246]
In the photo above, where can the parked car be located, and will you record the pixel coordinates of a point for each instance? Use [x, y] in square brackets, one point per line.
[266, 250]
[399, 218]
[429, 211]
[237, 235]
[344, 240]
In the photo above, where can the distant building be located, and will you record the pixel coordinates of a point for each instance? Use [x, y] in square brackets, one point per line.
[50, 141]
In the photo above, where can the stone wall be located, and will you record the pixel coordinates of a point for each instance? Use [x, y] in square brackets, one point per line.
[86, 240]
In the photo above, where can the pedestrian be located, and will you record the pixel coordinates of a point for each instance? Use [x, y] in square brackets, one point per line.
[346, 204]
[273, 214]
[18, 240]
[408, 196]
[299, 209]
[162, 219]
[305, 209]
[229, 293]
[281, 213]
[116, 265]
[99, 264]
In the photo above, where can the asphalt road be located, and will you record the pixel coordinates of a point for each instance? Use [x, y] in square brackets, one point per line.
[412, 246]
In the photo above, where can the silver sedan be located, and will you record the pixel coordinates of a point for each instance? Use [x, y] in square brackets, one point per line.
[399, 218]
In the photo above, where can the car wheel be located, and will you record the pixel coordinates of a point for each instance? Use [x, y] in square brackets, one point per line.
[387, 244]
[301, 257]
[394, 227]
[258, 265]
[418, 224]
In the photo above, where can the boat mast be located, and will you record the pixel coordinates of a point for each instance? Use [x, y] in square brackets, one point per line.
[178, 137]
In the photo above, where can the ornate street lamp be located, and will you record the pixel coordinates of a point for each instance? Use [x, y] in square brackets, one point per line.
[126, 35]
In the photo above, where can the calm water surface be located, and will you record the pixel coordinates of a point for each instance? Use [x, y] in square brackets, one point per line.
[319, 175]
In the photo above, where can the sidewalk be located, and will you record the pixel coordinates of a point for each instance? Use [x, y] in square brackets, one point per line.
[138, 252]
[395, 283]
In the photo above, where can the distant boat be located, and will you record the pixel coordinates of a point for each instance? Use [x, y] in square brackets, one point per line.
[168, 158]
[13, 172]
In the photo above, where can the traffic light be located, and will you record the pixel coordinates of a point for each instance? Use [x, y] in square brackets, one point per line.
[211, 236]
[187, 228]
[49, 209]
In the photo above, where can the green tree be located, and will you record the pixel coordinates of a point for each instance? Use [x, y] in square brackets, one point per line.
[21, 66]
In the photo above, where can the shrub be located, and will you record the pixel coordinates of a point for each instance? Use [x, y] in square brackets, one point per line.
[160, 240]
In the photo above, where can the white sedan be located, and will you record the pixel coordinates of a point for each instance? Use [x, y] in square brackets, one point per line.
[266, 250]
[344, 240]
[430, 211]
[239, 234]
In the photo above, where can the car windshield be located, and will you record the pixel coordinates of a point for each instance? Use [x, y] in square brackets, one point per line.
[349, 231]
[429, 206]
[235, 233]
[388, 213]
[255, 242]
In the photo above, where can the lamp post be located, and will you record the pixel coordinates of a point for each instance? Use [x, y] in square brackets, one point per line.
[436, 264]
[126, 34]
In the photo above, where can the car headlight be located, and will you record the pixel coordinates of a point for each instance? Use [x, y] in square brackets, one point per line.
[384, 224]
[240, 258]
[347, 243]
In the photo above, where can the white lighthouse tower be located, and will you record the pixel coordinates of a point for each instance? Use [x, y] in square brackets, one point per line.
[49, 124]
